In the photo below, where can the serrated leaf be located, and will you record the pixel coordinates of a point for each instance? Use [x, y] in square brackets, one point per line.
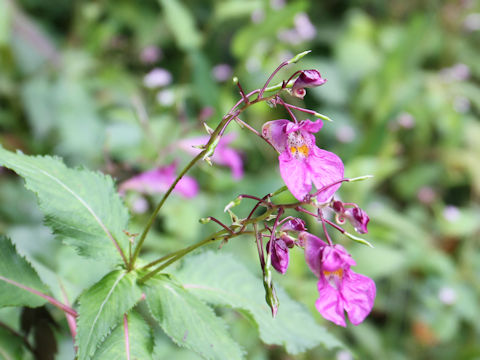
[81, 206]
[140, 340]
[188, 321]
[14, 269]
[102, 308]
[219, 279]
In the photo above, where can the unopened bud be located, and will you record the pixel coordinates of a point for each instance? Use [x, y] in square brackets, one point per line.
[280, 256]
[307, 79]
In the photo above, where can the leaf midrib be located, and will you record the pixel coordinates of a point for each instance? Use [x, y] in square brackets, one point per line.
[100, 309]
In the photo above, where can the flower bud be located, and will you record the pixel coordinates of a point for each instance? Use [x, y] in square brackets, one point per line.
[294, 224]
[307, 79]
[358, 218]
[279, 255]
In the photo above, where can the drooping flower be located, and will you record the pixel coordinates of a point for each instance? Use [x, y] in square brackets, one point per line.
[280, 257]
[355, 215]
[307, 79]
[159, 180]
[284, 242]
[223, 155]
[301, 161]
[340, 289]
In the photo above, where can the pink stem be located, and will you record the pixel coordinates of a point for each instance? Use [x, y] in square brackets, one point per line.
[320, 214]
[72, 324]
[51, 300]
[270, 78]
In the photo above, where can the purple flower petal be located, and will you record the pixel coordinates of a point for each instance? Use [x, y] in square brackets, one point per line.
[340, 289]
[159, 180]
[359, 293]
[307, 79]
[275, 132]
[294, 224]
[330, 304]
[336, 257]
[295, 174]
[326, 168]
[358, 218]
[313, 251]
[280, 256]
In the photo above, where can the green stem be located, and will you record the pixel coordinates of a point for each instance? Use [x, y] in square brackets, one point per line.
[213, 137]
[185, 251]
[159, 206]
[175, 253]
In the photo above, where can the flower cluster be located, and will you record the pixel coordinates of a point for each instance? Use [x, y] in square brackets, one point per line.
[311, 174]
[303, 164]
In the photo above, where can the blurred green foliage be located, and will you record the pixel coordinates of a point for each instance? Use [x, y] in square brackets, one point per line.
[403, 91]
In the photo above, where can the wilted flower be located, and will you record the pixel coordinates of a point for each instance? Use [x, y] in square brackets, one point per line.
[223, 155]
[159, 180]
[307, 79]
[340, 288]
[301, 161]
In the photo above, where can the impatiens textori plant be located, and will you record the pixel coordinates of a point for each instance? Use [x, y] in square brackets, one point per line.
[106, 320]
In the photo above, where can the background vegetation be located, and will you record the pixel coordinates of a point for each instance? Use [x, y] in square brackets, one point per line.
[403, 91]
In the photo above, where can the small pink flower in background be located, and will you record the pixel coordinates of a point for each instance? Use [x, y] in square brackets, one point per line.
[340, 288]
[156, 78]
[307, 79]
[301, 161]
[222, 72]
[223, 155]
[159, 180]
[150, 54]
[304, 27]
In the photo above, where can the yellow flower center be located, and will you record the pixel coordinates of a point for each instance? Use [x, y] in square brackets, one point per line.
[300, 149]
[338, 273]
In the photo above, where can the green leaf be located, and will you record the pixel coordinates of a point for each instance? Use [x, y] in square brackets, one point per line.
[188, 321]
[11, 346]
[14, 269]
[140, 340]
[81, 206]
[219, 279]
[181, 24]
[102, 308]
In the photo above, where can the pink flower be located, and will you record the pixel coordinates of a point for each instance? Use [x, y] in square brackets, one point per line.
[223, 155]
[355, 216]
[159, 180]
[301, 161]
[340, 288]
[307, 79]
[281, 245]
[280, 257]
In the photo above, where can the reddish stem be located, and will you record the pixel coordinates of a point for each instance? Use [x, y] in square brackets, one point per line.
[221, 224]
[320, 215]
[270, 78]
[51, 300]
[127, 337]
